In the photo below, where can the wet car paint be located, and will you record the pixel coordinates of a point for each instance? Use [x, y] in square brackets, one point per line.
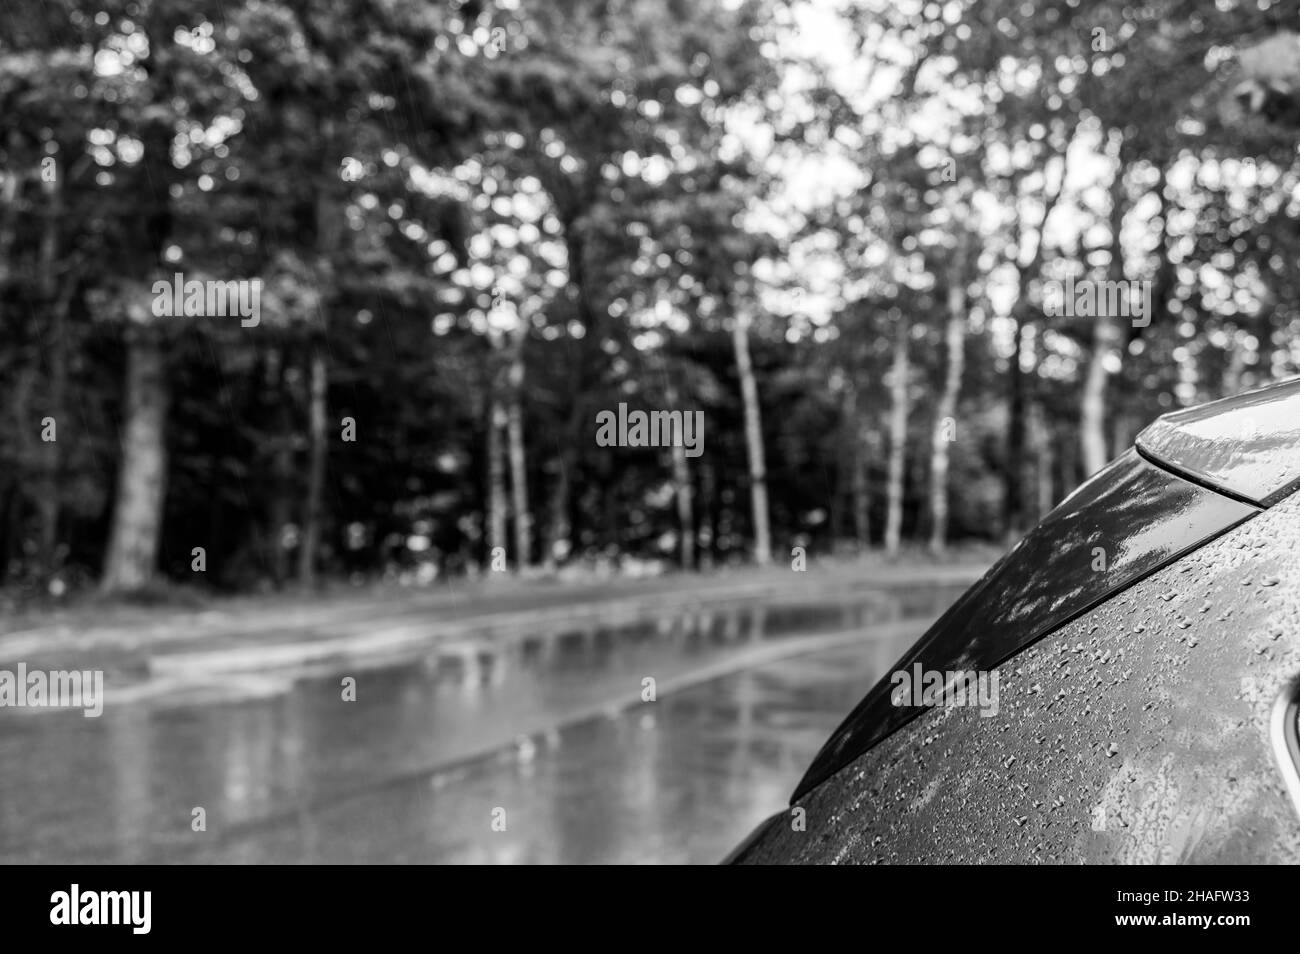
[1247, 446]
[1127, 521]
[1137, 733]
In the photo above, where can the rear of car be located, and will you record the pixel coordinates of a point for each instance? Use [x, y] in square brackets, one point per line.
[1120, 687]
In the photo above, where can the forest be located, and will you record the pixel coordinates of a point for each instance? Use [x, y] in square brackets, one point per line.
[438, 242]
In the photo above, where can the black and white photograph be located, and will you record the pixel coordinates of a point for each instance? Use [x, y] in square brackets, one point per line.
[650, 432]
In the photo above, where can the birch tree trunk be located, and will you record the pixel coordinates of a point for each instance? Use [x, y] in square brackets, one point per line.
[897, 439]
[945, 421]
[1013, 503]
[497, 499]
[518, 457]
[753, 439]
[1105, 337]
[1092, 406]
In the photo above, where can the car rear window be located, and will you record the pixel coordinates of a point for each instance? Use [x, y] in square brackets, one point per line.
[1127, 521]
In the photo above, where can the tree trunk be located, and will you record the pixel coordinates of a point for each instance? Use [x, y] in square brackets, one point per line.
[753, 439]
[707, 509]
[330, 224]
[1013, 507]
[946, 411]
[897, 440]
[519, 484]
[518, 458]
[1105, 336]
[683, 490]
[1044, 461]
[317, 438]
[1234, 367]
[1092, 408]
[497, 497]
[559, 526]
[281, 508]
[142, 476]
[1038, 435]
[565, 520]
[136, 526]
[58, 300]
[685, 505]
[556, 546]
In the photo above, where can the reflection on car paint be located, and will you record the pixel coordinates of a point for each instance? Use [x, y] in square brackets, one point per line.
[1137, 733]
[1129, 520]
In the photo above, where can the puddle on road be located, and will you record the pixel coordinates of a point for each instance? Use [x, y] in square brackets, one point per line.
[304, 775]
[679, 781]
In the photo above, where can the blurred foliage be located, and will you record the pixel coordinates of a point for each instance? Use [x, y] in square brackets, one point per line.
[429, 191]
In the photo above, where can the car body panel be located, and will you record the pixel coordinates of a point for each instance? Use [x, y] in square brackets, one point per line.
[1127, 521]
[1138, 732]
[1246, 446]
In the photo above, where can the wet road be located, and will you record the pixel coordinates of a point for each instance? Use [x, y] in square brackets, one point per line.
[508, 747]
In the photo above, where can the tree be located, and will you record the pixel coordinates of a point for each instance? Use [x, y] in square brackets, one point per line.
[945, 420]
[898, 412]
[754, 450]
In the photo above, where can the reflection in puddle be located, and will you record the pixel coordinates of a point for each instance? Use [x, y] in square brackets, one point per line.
[411, 770]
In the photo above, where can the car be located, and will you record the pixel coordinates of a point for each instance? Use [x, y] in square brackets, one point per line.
[1121, 687]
